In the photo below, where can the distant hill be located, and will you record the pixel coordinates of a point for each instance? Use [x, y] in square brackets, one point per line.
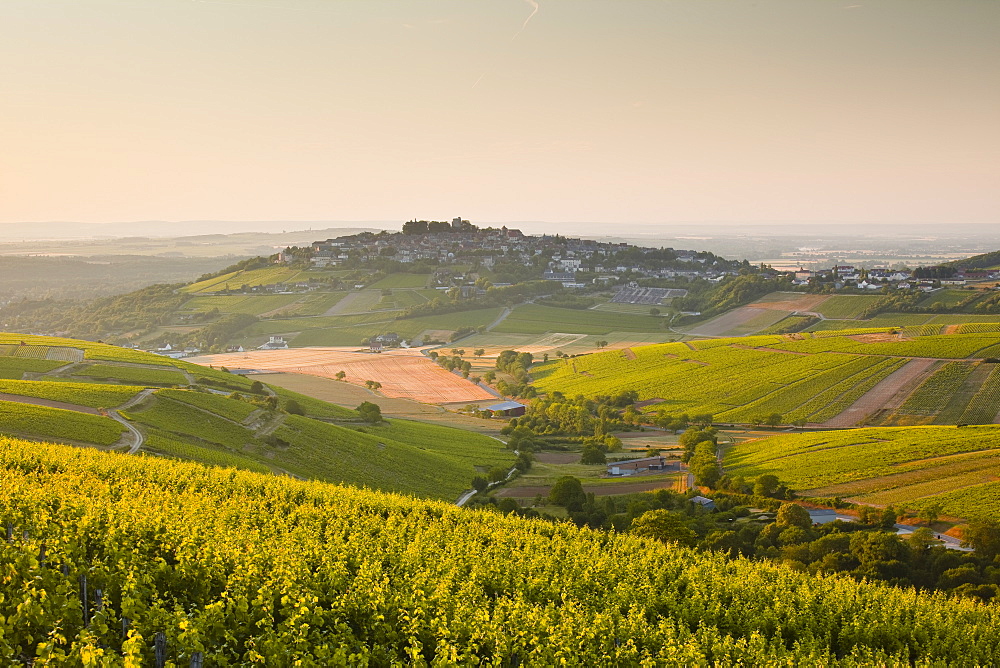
[81, 392]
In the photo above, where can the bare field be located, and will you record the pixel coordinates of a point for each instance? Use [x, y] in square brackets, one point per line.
[350, 396]
[889, 394]
[735, 322]
[782, 301]
[403, 373]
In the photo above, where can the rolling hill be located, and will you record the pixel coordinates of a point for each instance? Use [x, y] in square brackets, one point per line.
[115, 398]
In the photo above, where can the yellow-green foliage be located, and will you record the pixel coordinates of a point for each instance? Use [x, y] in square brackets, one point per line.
[93, 395]
[724, 378]
[254, 569]
[43, 422]
[902, 466]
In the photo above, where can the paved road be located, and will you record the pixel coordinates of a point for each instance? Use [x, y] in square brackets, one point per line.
[137, 436]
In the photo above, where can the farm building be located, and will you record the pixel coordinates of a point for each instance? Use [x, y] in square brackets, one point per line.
[631, 466]
[508, 408]
[275, 343]
[703, 501]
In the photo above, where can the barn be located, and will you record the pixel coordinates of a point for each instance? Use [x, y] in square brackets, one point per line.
[508, 408]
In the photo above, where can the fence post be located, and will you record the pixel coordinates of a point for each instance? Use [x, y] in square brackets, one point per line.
[197, 660]
[160, 649]
[84, 599]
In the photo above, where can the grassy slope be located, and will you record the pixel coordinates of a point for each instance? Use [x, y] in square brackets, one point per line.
[903, 466]
[389, 579]
[538, 319]
[55, 423]
[400, 456]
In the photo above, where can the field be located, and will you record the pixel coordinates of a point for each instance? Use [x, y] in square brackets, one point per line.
[237, 279]
[14, 368]
[756, 382]
[845, 307]
[906, 467]
[403, 373]
[250, 568]
[800, 377]
[537, 319]
[133, 375]
[946, 297]
[94, 395]
[426, 460]
[44, 422]
[933, 395]
[401, 280]
[250, 304]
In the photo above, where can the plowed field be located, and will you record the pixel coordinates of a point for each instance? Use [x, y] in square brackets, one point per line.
[402, 373]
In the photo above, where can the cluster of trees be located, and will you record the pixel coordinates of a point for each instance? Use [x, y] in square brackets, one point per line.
[453, 362]
[580, 416]
[866, 549]
[729, 294]
[369, 412]
[664, 419]
[436, 227]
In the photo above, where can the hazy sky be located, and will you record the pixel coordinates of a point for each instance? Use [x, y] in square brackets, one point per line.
[617, 111]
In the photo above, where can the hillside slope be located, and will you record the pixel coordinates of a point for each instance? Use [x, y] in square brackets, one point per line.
[247, 568]
[800, 377]
[117, 398]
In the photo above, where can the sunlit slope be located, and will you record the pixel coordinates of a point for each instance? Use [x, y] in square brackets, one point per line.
[248, 568]
[907, 467]
[219, 418]
[801, 377]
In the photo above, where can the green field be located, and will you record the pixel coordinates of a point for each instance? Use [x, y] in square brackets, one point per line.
[401, 280]
[734, 383]
[903, 466]
[249, 304]
[845, 306]
[946, 297]
[43, 422]
[237, 279]
[933, 395]
[407, 328]
[401, 456]
[93, 395]
[313, 574]
[537, 319]
[14, 368]
[133, 375]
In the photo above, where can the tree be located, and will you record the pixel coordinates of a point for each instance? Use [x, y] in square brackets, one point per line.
[929, 513]
[664, 526]
[593, 455]
[370, 412]
[257, 387]
[340, 375]
[568, 492]
[793, 515]
[984, 537]
[479, 483]
[373, 385]
[765, 484]
[654, 311]
[292, 407]
[479, 352]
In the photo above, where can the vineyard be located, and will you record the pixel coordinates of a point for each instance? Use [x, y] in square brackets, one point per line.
[133, 375]
[94, 395]
[933, 395]
[241, 568]
[237, 279]
[907, 467]
[55, 423]
[14, 368]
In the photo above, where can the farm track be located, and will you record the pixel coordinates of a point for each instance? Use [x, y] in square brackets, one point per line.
[889, 394]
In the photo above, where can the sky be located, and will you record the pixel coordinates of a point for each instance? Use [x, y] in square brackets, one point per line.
[619, 112]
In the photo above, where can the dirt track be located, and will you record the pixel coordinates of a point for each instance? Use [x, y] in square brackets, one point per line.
[889, 394]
